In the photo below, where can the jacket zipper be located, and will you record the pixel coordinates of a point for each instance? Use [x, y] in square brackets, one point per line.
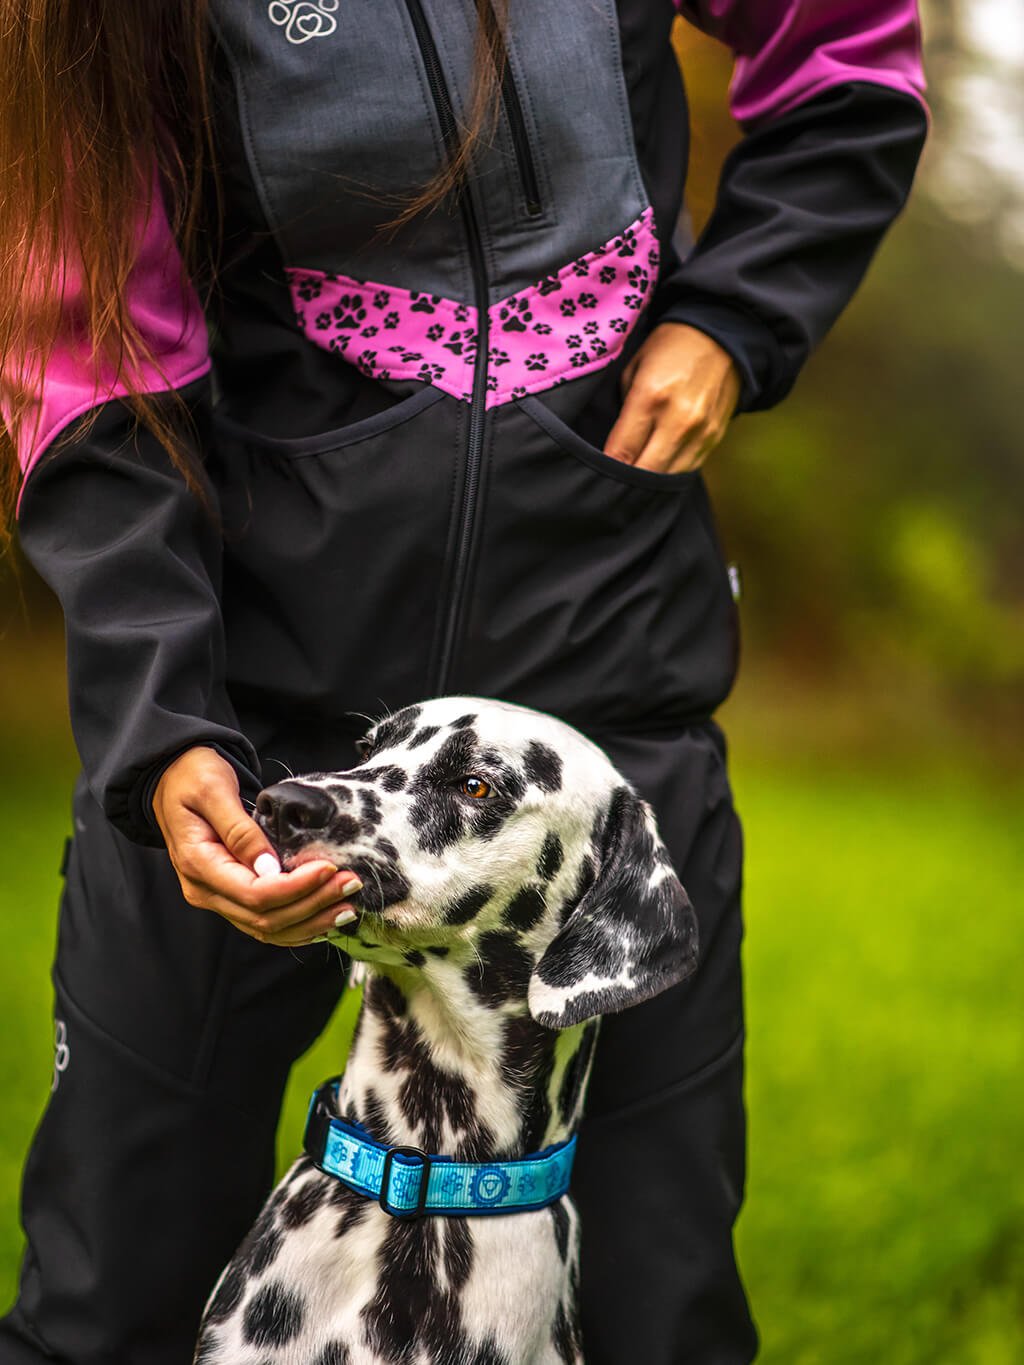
[521, 143]
[477, 405]
[527, 168]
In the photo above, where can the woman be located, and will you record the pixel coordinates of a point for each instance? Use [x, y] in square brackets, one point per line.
[438, 431]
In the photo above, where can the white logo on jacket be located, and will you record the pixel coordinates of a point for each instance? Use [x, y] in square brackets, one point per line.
[304, 19]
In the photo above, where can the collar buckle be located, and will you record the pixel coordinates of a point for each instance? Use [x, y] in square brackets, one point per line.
[385, 1181]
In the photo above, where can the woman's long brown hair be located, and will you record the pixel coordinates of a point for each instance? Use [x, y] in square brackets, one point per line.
[92, 92]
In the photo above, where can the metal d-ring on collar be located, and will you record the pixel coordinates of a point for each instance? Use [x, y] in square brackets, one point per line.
[409, 1183]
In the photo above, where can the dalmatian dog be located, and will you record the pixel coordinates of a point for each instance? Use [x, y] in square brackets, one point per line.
[515, 889]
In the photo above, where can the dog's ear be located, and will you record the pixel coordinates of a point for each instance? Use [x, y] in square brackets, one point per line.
[632, 933]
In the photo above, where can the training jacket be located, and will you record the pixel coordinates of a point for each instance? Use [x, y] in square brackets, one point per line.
[403, 431]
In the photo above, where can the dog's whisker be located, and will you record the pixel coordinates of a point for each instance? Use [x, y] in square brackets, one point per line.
[361, 715]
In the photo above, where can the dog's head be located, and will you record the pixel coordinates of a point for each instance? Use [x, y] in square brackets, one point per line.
[472, 821]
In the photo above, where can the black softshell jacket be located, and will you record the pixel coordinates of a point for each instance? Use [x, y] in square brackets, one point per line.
[402, 433]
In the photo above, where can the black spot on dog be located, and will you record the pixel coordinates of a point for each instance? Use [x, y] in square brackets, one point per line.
[429, 1094]
[384, 996]
[369, 803]
[354, 1207]
[439, 951]
[392, 778]
[439, 811]
[344, 828]
[273, 1317]
[585, 879]
[469, 905]
[458, 1251]
[561, 1221]
[229, 1293]
[396, 729]
[421, 736]
[209, 1347]
[414, 958]
[342, 794]
[487, 817]
[489, 1354]
[265, 1251]
[463, 722]
[551, 857]
[575, 1075]
[374, 1118]
[524, 1045]
[299, 1208]
[334, 1353]
[507, 778]
[501, 969]
[410, 1305]
[562, 1336]
[525, 909]
[386, 849]
[299, 1168]
[536, 1116]
[384, 884]
[543, 766]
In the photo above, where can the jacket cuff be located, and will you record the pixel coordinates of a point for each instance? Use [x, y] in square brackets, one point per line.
[136, 819]
[750, 342]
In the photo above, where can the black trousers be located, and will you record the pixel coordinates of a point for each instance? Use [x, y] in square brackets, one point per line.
[156, 1148]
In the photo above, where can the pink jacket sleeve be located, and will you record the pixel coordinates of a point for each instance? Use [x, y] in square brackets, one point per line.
[788, 51]
[166, 309]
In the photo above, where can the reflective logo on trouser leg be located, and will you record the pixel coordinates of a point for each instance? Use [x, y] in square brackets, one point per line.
[61, 1052]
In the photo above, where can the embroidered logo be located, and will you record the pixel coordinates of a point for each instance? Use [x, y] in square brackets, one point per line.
[61, 1052]
[304, 19]
[489, 1185]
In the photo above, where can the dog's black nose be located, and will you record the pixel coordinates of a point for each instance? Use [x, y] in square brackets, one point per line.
[288, 809]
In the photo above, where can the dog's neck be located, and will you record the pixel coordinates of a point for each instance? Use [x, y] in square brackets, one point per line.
[446, 1058]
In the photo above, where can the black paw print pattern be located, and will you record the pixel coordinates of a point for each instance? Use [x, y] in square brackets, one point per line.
[514, 315]
[309, 287]
[579, 317]
[571, 321]
[349, 312]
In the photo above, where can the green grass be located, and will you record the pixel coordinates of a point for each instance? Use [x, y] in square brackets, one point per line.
[885, 1214]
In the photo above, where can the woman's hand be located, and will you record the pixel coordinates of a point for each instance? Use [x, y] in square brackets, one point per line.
[681, 389]
[213, 845]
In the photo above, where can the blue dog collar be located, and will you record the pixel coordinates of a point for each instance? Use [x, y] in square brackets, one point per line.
[408, 1182]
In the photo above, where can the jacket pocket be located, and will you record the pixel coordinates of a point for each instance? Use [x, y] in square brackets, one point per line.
[334, 550]
[341, 438]
[597, 592]
[569, 440]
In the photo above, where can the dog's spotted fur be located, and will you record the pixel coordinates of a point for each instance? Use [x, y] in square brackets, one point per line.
[498, 928]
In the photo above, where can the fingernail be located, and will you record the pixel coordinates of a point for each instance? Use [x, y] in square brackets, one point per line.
[350, 887]
[266, 865]
[346, 917]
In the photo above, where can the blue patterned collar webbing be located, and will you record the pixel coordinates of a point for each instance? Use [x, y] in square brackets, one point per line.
[407, 1182]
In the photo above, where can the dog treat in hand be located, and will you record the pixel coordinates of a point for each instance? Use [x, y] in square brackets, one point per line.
[266, 865]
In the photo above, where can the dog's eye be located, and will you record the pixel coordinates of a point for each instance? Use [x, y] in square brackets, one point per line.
[364, 748]
[475, 787]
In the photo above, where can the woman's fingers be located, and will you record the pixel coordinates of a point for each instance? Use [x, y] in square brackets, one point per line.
[213, 844]
[315, 916]
[632, 430]
[681, 391]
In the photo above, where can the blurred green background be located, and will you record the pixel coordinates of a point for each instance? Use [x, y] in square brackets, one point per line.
[877, 734]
